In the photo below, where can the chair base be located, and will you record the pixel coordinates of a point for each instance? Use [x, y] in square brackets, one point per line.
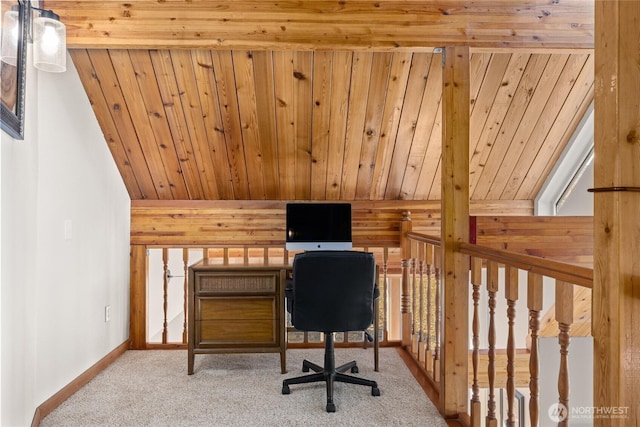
[330, 374]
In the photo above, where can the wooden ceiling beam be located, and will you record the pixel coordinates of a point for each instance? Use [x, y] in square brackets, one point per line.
[378, 25]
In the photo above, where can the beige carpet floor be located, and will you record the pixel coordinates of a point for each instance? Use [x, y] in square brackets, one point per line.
[152, 388]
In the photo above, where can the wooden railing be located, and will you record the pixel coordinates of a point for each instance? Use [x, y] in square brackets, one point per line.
[426, 285]
[424, 289]
[164, 299]
[564, 277]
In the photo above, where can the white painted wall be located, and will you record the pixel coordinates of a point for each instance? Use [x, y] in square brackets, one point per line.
[1, 145]
[54, 289]
[18, 280]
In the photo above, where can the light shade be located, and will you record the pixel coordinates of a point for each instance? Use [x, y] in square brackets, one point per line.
[10, 36]
[49, 43]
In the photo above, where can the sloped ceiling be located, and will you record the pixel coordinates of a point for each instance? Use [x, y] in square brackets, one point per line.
[345, 117]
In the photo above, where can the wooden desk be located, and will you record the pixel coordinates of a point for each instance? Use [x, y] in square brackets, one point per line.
[236, 309]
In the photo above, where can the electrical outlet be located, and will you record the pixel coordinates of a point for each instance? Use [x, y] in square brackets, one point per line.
[107, 313]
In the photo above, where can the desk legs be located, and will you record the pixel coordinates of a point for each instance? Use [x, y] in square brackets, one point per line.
[283, 361]
[190, 363]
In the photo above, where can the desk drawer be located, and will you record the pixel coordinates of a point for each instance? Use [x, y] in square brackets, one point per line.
[238, 332]
[225, 283]
[230, 308]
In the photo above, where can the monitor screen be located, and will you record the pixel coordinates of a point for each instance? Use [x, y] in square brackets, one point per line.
[318, 226]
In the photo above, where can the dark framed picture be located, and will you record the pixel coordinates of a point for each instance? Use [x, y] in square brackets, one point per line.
[13, 63]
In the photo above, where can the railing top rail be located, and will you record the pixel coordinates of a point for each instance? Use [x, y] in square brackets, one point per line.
[574, 274]
[424, 238]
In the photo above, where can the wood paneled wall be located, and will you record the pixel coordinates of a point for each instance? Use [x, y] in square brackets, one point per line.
[561, 238]
[501, 225]
[228, 223]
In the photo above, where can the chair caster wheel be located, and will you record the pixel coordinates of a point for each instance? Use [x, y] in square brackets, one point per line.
[375, 391]
[285, 389]
[355, 370]
[331, 407]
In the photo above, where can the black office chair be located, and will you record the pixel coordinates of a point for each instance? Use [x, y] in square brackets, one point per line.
[332, 291]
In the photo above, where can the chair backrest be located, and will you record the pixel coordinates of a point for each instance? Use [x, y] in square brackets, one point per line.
[333, 291]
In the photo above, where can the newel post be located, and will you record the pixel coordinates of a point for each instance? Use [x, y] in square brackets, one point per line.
[454, 360]
[405, 301]
[138, 298]
[616, 239]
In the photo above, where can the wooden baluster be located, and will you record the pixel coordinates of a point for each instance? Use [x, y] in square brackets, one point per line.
[383, 294]
[476, 281]
[415, 299]
[375, 329]
[421, 320]
[511, 295]
[534, 303]
[185, 273]
[436, 352]
[492, 288]
[564, 316]
[405, 299]
[429, 351]
[405, 303]
[165, 294]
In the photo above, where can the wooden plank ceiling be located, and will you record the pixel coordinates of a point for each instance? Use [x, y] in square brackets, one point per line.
[250, 116]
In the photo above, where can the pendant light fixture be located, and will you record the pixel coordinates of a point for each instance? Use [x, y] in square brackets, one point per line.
[49, 43]
[10, 36]
[48, 34]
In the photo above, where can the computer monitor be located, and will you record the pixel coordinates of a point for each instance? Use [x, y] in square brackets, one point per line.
[318, 226]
